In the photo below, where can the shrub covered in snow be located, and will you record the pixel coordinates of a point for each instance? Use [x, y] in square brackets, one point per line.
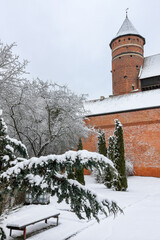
[79, 174]
[101, 142]
[9, 148]
[119, 157]
[129, 168]
[47, 174]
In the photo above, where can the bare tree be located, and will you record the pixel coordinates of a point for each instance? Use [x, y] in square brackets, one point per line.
[47, 118]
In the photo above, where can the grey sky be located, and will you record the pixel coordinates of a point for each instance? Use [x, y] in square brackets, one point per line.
[67, 41]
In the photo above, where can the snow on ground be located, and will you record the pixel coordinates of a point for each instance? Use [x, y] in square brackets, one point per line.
[140, 221]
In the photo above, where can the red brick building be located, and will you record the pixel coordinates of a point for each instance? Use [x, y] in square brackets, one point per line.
[135, 102]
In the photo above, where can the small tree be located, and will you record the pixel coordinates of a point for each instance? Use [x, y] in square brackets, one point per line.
[79, 174]
[8, 148]
[119, 157]
[80, 145]
[109, 179]
[106, 176]
[101, 142]
[111, 148]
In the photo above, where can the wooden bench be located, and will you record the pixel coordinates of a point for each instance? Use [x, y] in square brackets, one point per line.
[22, 226]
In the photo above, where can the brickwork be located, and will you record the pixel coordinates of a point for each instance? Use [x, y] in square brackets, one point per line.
[127, 59]
[141, 138]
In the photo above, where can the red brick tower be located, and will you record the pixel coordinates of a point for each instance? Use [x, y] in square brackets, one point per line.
[127, 58]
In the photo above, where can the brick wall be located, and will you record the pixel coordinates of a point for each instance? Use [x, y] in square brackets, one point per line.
[141, 138]
[127, 58]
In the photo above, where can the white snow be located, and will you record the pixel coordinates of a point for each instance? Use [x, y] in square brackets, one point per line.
[84, 155]
[0, 112]
[127, 28]
[140, 221]
[6, 158]
[125, 102]
[31, 215]
[9, 148]
[151, 67]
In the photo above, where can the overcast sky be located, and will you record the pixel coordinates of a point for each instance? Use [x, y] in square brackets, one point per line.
[67, 41]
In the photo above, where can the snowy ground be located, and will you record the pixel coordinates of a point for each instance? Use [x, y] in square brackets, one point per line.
[140, 221]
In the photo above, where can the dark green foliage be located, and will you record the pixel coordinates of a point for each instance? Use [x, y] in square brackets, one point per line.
[2, 234]
[71, 175]
[119, 157]
[80, 145]
[79, 173]
[110, 152]
[107, 176]
[8, 148]
[101, 142]
[50, 170]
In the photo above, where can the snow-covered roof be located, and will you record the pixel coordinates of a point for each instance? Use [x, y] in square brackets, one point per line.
[127, 28]
[151, 67]
[133, 101]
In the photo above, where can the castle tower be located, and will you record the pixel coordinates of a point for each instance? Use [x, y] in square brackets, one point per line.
[127, 59]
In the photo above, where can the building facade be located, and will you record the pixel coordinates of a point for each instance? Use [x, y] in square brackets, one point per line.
[135, 102]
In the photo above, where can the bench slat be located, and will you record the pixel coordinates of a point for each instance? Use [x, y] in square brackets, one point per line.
[14, 227]
[31, 223]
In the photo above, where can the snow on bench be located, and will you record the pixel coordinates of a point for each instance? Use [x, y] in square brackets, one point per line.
[31, 217]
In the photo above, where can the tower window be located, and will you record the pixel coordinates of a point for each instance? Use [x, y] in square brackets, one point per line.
[125, 77]
[137, 40]
[132, 87]
[119, 40]
[130, 55]
[129, 39]
[119, 57]
[136, 66]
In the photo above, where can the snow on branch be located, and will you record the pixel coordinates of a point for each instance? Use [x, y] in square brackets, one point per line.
[49, 174]
[18, 145]
[68, 160]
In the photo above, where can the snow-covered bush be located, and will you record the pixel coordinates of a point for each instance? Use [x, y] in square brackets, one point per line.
[102, 142]
[129, 168]
[9, 148]
[47, 174]
[98, 177]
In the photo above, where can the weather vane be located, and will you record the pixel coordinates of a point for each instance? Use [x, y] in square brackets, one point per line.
[127, 12]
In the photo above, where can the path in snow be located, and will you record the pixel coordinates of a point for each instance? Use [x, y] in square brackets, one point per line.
[141, 216]
[140, 221]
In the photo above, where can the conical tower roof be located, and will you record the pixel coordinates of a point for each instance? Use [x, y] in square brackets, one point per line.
[127, 28]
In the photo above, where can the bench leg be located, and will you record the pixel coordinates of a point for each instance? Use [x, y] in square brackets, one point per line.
[24, 234]
[45, 220]
[57, 220]
[10, 232]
